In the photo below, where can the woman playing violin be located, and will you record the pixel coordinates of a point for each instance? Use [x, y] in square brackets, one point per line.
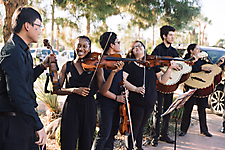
[79, 111]
[193, 51]
[142, 106]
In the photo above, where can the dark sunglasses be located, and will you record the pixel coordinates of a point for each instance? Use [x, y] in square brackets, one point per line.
[118, 42]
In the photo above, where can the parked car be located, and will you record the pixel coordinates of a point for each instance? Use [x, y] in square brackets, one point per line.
[42, 52]
[64, 56]
[33, 52]
[216, 99]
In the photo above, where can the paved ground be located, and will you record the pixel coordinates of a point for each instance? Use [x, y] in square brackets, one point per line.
[193, 140]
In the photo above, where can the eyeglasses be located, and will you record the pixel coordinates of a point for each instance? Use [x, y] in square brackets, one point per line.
[39, 25]
[136, 46]
[118, 42]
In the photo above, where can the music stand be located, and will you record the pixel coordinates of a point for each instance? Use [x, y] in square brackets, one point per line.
[178, 103]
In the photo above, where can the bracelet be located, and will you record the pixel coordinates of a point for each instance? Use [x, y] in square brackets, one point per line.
[116, 98]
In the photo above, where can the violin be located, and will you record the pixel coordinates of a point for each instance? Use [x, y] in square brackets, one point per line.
[154, 60]
[125, 128]
[53, 68]
[108, 61]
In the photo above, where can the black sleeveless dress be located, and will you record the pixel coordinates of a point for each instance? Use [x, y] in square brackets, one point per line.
[79, 113]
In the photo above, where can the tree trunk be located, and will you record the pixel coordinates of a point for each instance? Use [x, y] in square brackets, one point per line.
[52, 34]
[10, 7]
[203, 34]
[199, 33]
[153, 36]
[189, 37]
[139, 32]
[88, 26]
[58, 35]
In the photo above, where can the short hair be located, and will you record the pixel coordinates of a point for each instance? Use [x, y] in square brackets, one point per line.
[130, 53]
[86, 38]
[22, 15]
[164, 30]
[104, 38]
[89, 43]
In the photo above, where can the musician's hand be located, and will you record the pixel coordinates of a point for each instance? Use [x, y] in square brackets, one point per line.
[221, 60]
[196, 58]
[121, 98]
[119, 65]
[42, 136]
[206, 68]
[140, 90]
[83, 91]
[174, 65]
[46, 61]
[126, 93]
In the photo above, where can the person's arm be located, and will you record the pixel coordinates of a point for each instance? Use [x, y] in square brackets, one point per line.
[38, 70]
[15, 70]
[105, 85]
[83, 91]
[119, 98]
[163, 78]
[132, 87]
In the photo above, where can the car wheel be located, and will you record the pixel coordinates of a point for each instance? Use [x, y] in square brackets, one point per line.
[216, 102]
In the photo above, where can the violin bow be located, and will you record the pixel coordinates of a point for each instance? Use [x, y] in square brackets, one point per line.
[99, 61]
[144, 71]
[129, 116]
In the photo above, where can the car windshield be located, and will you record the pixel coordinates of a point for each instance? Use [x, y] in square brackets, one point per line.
[215, 55]
[71, 54]
[45, 52]
[56, 52]
[32, 51]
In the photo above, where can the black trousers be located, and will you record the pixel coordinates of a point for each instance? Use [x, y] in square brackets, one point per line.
[223, 123]
[16, 134]
[162, 104]
[78, 123]
[108, 117]
[139, 117]
[188, 106]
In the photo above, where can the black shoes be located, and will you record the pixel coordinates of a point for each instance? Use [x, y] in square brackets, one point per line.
[166, 139]
[223, 130]
[154, 142]
[206, 134]
[182, 133]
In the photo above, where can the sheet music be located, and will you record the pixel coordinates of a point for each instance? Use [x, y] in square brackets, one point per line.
[180, 101]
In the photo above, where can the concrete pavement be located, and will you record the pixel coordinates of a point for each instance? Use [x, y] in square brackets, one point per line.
[193, 140]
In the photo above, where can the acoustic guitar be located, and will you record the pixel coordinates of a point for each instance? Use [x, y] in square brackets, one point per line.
[177, 76]
[204, 81]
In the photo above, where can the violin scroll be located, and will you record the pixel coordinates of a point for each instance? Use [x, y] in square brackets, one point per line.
[53, 68]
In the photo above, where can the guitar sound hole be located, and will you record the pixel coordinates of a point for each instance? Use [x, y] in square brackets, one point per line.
[207, 71]
[180, 65]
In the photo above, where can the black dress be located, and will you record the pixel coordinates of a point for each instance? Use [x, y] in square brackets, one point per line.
[141, 107]
[79, 113]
